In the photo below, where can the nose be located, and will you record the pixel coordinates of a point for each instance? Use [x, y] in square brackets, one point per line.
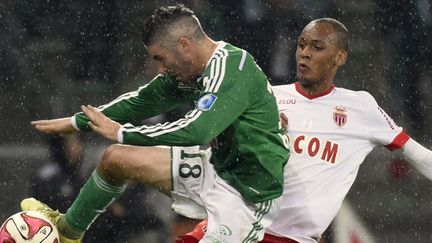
[305, 52]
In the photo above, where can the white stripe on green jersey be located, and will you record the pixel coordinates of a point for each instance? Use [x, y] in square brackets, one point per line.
[160, 129]
[218, 84]
[242, 61]
[217, 72]
[123, 97]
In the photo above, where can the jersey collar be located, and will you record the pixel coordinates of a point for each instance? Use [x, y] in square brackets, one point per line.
[311, 97]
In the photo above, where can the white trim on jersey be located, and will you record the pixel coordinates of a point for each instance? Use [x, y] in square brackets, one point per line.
[217, 71]
[126, 95]
[218, 84]
[160, 129]
[214, 74]
[242, 61]
[74, 123]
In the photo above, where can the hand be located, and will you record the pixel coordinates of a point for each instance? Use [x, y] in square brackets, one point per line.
[54, 126]
[284, 121]
[101, 123]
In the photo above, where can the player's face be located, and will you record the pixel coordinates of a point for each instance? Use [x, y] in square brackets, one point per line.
[173, 61]
[316, 55]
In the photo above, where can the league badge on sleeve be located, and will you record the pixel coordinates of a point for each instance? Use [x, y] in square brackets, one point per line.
[340, 115]
[206, 102]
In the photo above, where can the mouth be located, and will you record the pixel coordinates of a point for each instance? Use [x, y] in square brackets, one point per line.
[302, 67]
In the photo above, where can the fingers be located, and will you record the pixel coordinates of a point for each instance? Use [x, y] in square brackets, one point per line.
[60, 125]
[94, 127]
[93, 114]
[100, 123]
[43, 125]
[39, 122]
[284, 117]
[284, 120]
[89, 108]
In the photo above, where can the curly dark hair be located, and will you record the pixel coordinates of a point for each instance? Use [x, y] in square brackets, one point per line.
[157, 26]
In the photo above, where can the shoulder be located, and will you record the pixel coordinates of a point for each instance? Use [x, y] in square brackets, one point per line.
[160, 81]
[283, 90]
[231, 50]
[359, 96]
[235, 56]
[225, 59]
[227, 51]
[232, 63]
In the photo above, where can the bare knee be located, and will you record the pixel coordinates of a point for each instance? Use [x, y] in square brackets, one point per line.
[150, 165]
[112, 166]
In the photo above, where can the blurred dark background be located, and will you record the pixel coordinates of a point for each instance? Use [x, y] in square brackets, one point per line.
[58, 54]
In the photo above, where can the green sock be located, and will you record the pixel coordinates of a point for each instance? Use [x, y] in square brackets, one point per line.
[67, 230]
[95, 196]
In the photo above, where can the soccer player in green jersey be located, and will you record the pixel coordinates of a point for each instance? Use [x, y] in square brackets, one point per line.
[237, 188]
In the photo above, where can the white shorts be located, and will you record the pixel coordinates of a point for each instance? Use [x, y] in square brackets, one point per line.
[198, 192]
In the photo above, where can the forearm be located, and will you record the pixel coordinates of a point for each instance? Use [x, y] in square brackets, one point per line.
[149, 100]
[419, 156]
[178, 133]
[179, 138]
[121, 112]
[196, 128]
[55, 126]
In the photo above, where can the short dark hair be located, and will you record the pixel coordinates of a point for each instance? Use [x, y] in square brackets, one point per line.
[157, 26]
[340, 29]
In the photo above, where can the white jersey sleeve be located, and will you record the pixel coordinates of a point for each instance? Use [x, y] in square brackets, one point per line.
[382, 129]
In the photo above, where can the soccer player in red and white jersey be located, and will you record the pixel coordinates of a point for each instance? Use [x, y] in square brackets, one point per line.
[331, 131]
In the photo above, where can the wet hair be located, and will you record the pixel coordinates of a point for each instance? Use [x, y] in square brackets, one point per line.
[339, 28]
[166, 24]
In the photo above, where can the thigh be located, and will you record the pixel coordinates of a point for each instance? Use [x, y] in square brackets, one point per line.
[148, 165]
[189, 166]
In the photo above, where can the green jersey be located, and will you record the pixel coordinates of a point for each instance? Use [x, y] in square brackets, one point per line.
[235, 110]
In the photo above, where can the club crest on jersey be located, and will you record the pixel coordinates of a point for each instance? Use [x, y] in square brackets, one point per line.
[206, 102]
[340, 115]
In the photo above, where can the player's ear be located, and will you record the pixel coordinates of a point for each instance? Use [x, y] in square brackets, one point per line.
[184, 44]
[341, 57]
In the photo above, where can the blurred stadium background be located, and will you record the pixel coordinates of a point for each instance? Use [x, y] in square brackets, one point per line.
[58, 54]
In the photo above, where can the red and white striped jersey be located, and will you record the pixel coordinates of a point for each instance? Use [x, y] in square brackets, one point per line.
[330, 136]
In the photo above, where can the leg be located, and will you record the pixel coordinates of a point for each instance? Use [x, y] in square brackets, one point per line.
[198, 233]
[148, 165]
[195, 235]
[231, 219]
[183, 225]
[199, 193]
[119, 164]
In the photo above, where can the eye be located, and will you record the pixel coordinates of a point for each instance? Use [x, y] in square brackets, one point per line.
[158, 58]
[300, 45]
[318, 48]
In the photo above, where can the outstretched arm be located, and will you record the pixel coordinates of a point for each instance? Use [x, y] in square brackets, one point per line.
[419, 156]
[55, 126]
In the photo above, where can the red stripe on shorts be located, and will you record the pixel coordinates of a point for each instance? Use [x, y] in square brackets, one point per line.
[276, 239]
